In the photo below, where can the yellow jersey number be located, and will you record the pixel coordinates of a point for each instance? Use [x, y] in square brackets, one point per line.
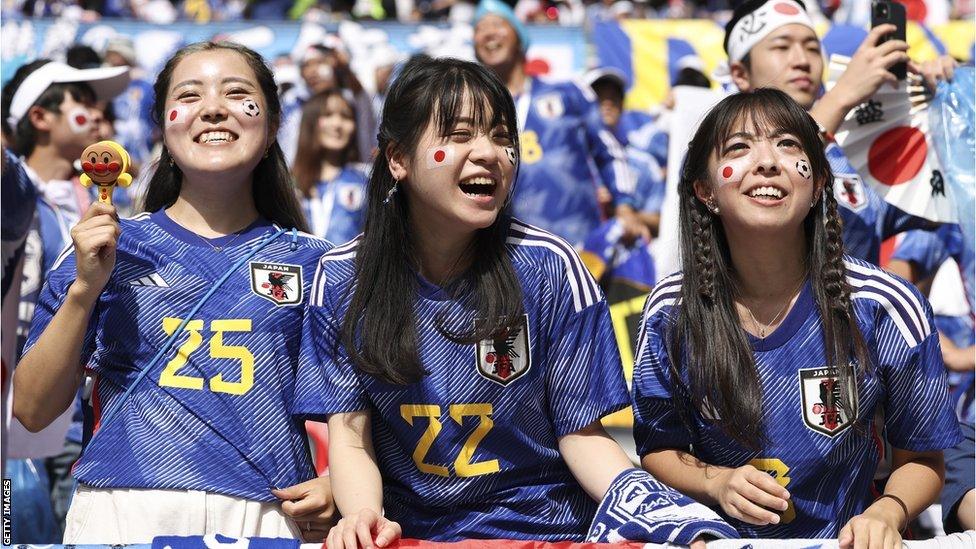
[170, 376]
[463, 466]
[531, 149]
[779, 471]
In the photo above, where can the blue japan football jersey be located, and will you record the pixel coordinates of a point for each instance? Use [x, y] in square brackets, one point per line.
[336, 209]
[216, 413]
[471, 450]
[814, 450]
[567, 153]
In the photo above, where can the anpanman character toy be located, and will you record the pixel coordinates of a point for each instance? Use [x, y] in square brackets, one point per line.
[105, 164]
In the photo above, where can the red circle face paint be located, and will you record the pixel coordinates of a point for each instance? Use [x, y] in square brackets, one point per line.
[439, 156]
[786, 9]
[172, 115]
[81, 119]
[727, 172]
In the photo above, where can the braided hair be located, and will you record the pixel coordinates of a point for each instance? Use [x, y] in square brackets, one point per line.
[705, 338]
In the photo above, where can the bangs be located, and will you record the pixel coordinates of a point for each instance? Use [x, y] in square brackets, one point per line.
[463, 96]
[766, 117]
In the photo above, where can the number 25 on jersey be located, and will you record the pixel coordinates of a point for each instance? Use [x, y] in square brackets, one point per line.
[170, 376]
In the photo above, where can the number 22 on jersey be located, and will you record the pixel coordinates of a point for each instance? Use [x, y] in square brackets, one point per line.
[463, 467]
[170, 376]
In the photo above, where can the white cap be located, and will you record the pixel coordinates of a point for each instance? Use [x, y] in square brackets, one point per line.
[610, 73]
[106, 82]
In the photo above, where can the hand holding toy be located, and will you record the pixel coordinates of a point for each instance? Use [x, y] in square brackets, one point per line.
[105, 164]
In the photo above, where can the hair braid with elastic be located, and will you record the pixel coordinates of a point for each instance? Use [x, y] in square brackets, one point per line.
[701, 220]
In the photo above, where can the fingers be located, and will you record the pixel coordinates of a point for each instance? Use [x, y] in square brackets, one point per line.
[364, 533]
[747, 511]
[846, 537]
[309, 505]
[891, 46]
[97, 209]
[291, 492]
[767, 484]
[876, 33]
[763, 498]
[389, 533]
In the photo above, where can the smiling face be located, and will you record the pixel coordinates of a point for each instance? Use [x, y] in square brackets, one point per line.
[215, 116]
[459, 182]
[761, 180]
[496, 43]
[789, 59]
[102, 163]
[336, 124]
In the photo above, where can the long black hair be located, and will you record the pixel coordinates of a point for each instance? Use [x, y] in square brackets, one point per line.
[379, 330]
[271, 187]
[705, 336]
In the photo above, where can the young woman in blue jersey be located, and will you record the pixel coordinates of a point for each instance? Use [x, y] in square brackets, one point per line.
[193, 441]
[469, 357]
[331, 181]
[769, 366]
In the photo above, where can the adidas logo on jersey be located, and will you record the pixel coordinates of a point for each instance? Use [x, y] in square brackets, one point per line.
[505, 358]
[152, 280]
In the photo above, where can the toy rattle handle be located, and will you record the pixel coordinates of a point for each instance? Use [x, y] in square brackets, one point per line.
[105, 193]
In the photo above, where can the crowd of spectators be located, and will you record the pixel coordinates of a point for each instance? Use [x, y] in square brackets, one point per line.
[543, 12]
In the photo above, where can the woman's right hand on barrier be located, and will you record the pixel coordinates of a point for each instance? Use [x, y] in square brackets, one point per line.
[366, 529]
[750, 495]
[95, 239]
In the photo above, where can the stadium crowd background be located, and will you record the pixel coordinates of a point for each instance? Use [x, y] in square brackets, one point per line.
[354, 46]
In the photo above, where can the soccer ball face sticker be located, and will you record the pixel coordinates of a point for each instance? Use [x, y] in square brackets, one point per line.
[250, 108]
[803, 168]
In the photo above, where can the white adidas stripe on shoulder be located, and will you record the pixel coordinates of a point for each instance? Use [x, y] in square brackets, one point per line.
[65, 252]
[898, 299]
[666, 293]
[345, 251]
[584, 288]
[339, 253]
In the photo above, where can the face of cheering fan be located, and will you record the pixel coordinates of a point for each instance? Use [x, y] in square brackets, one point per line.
[496, 42]
[215, 115]
[789, 59]
[760, 180]
[336, 124]
[461, 180]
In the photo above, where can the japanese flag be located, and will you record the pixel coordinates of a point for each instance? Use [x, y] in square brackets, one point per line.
[887, 140]
[440, 156]
[178, 115]
[79, 120]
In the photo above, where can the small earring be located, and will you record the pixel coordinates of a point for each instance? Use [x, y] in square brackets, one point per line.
[711, 206]
[392, 191]
[267, 152]
[171, 162]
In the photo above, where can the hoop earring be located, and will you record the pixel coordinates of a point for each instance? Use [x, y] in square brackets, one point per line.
[392, 191]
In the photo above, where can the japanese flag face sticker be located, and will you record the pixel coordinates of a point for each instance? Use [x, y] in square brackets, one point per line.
[803, 168]
[732, 171]
[79, 120]
[438, 157]
[178, 116]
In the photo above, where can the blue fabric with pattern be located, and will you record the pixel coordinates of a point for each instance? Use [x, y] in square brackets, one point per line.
[567, 153]
[812, 451]
[471, 451]
[218, 415]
